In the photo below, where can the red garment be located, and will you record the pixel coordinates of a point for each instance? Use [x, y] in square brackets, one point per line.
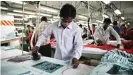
[94, 30]
[105, 47]
[130, 34]
[29, 39]
[108, 48]
[123, 32]
[53, 42]
[127, 44]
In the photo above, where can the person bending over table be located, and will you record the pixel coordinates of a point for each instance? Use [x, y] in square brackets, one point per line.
[67, 34]
[102, 33]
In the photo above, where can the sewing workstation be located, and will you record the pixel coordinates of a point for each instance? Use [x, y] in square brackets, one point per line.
[66, 37]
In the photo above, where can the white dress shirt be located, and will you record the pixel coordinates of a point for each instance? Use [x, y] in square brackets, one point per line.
[104, 35]
[69, 42]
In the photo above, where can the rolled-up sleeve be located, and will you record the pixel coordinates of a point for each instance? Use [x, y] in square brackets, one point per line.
[78, 45]
[114, 33]
[47, 32]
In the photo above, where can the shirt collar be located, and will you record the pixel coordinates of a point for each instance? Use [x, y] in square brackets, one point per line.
[70, 25]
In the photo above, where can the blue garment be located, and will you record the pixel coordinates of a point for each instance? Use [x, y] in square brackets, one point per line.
[117, 29]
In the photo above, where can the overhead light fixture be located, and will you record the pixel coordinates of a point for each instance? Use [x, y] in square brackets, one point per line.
[128, 23]
[105, 16]
[45, 15]
[49, 9]
[117, 12]
[4, 8]
[14, 14]
[83, 17]
[18, 2]
[122, 18]
[99, 21]
[20, 19]
[30, 16]
[27, 12]
[106, 1]
[56, 17]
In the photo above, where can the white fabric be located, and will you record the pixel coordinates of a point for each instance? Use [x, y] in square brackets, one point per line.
[69, 41]
[104, 35]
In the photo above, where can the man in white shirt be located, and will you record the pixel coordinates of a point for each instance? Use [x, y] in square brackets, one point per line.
[40, 28]
[102, 33]
[67, 33]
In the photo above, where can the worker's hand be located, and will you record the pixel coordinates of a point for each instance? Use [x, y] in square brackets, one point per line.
[35, 49]
[75, 62]
[35, 53]
[99, 43]
[118, 45]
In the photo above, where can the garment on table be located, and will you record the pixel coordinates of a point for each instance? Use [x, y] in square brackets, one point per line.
[115, 62]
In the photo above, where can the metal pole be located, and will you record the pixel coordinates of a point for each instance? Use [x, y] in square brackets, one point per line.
[23, 25]
[89, 17]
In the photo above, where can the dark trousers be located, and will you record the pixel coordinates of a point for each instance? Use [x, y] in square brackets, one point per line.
[45, 50]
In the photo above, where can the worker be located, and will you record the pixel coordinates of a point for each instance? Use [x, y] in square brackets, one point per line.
[123, 30]
[40, 28]
[102, 33]
[45, 48]
[81, 29]
[116, 27]
[67, 33]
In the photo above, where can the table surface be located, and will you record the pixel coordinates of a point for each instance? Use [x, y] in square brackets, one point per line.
[25, 68]
[11, 53]
[10, 39]
[93, 50]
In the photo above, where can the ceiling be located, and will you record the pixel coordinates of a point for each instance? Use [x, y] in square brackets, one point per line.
[96, 8]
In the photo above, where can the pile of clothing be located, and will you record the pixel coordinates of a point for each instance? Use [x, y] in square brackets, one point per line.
[115, 62]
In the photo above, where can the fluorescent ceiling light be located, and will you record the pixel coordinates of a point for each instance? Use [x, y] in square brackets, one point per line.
[14, 14]
[45, 15]
[122, 18]
[49, 9]
[56, 17]
[83, 17]
[128, 23]
[106, 1]
[4, 8]
[82, 21]
[20, 11]
[105, 16]
[117, 11]
[99, 21]
[20, 19]
[18, 2]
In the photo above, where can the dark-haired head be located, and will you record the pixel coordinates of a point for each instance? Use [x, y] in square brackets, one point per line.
[68, 10]
[106, 22]
[115, 23]
[44, 19]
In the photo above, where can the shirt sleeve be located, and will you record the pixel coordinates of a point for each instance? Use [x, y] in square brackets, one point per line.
[47, 32]
[78, 45]
[114, 33]
[96, 35]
